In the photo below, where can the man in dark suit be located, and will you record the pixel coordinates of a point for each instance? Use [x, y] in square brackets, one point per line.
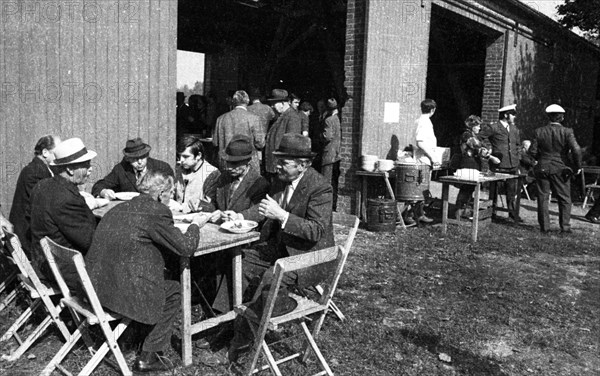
[504, 137]
[58, 210]
[125, 176]
[239, 121]
[30, 175]
[331, 140]
[240, 187]
[289, 121]
[552, 143]
[296, 217]
[126, 263]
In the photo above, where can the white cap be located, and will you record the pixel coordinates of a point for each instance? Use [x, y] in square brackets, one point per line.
[554, 108]
[510, 107]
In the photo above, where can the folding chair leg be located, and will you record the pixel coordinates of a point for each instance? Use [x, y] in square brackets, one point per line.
[112, 346]
[316, 350]
[334, 308]
[62, 353]
[25, 345]
[270, 359]
[20, 321]
[10, 297]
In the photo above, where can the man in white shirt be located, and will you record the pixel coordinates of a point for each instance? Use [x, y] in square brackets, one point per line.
[193, 176]
[424, 145]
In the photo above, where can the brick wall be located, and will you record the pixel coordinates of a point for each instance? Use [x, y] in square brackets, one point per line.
[493, 81]
[353, 68]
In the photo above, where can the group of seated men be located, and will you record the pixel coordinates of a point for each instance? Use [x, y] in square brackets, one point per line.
[126, 251]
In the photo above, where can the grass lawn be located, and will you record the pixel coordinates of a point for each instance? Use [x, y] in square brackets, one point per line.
[515, 303]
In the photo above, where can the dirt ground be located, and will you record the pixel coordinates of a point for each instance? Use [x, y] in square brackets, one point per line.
[417, 302]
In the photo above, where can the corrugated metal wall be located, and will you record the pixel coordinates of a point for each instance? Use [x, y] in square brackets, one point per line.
[102, 71]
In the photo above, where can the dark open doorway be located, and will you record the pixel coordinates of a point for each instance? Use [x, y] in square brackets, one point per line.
[297, 45]
[455, 72]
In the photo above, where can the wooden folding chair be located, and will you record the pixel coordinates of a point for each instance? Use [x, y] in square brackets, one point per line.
[41, 296]
[9, 286]
[317, 309]
[588, 188]
[346, 221]
[85, 311]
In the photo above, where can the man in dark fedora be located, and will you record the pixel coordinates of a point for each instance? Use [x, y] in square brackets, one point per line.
[289, 121]
[58, 210]
[241, 186]
[125, 176]
[295, 216]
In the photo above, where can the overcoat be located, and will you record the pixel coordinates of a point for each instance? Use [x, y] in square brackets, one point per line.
[332, 138]
[555, 148]
[287, 122]
[20, 211]
[122, 177]
[59, 212]
[126, 261]
[239, 121]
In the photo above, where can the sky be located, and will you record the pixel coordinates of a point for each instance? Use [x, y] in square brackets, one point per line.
[190, 65]
[548, 7]
[190, 68]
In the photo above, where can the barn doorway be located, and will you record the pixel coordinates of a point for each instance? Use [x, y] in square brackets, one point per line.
[455, 72]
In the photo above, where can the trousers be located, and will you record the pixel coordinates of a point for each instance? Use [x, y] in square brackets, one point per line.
[561, 189]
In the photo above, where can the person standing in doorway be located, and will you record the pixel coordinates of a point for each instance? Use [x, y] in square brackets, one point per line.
[331, 140]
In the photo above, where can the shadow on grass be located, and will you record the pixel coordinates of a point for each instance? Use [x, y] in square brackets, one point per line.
[466, 361]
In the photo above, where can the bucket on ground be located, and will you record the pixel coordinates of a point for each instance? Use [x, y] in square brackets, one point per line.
[411, 181]
[381, 215]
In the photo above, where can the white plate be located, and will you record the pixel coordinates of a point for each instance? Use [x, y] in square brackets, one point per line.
[184, 217]
[125, 196]
[239, 227]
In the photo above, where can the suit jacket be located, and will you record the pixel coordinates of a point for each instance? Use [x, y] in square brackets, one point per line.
[239, 121]
[288, 122]
[551, 147]
[20, 211]
[59, 212]
[332, 138]
[126, 261]
[122, 177]
[308, 227]
[252, 189]
[265, 114]
[508, 143]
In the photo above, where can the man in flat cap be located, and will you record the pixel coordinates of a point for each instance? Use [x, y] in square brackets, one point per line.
[289, 121]
[125, 176]
[552, 143]
[504, 137]
[58, 210]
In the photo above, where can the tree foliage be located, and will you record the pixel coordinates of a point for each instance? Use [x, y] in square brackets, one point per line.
[583, 14]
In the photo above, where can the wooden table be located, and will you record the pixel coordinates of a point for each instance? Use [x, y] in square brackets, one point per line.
[447, 180]
[212, 239]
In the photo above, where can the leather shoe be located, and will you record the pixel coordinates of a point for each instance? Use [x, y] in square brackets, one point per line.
[593, 219]
[424, 219]
[151, 362]
[516, 219]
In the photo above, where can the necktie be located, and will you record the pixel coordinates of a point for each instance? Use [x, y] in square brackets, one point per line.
[138, 177]
[235, 183]
[287, 194]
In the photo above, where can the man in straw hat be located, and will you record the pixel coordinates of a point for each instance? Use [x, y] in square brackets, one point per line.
[504, 137]
[296, 218]
[289, 121]
[58, 210]
[125, 176]
[551, 144]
